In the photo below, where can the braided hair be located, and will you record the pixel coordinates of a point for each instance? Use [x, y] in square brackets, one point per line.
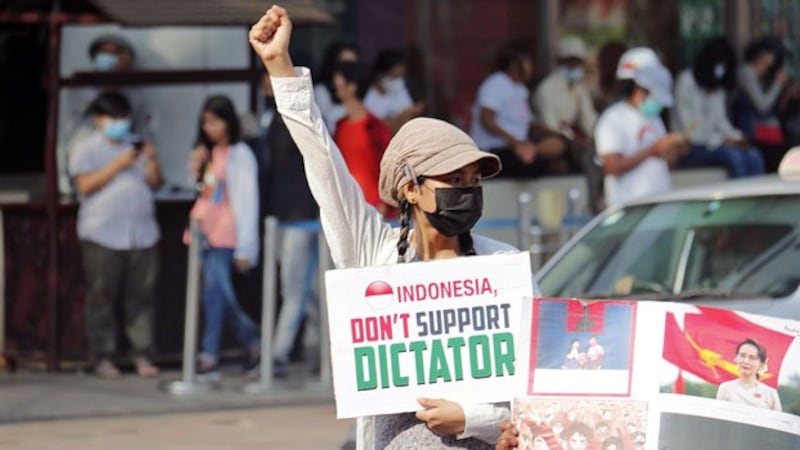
[405, 220]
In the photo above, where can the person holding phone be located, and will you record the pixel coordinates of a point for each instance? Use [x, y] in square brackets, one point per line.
[432, 172]
[118, 233]
[227, 209]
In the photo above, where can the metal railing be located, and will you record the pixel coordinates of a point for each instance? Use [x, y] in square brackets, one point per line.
[542, 241]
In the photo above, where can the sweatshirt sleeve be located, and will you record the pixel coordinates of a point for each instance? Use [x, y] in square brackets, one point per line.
[244, 201]
[483, 421]
[355, 231]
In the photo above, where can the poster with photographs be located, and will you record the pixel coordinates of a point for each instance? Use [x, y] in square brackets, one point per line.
[580, 424]
[750, 360]
[581, 348]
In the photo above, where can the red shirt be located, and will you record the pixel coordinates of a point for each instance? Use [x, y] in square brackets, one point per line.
[362, 143]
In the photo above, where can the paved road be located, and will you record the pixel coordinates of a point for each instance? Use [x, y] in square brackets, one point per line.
[271, 428]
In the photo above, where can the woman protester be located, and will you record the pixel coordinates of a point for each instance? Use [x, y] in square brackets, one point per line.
[432, 171]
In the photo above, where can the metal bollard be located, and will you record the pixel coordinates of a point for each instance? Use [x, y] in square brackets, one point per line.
[524, 225]
[325, 264]
[268, 301]
[2, 292]
[188, 384]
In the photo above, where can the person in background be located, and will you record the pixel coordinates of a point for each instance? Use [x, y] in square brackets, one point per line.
[425, 188]
[750, 360]
[502, 118]
[361, 137]
[298, 251]
[388, 97]
[763, 87]
[108, 53]
[118, 232]
[701, 112]
[227, 209]
[632, 140]
[111, 53]
[324, 93]
[562, 101]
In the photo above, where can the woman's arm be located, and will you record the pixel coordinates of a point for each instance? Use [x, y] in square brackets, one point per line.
[763, 101]
[355, 231]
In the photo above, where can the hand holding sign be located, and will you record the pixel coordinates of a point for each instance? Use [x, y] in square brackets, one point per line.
[442, 416]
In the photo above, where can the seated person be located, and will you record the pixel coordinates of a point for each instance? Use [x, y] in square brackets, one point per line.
[701, 113]
[388, 97]
[563, 103]
[502, 119]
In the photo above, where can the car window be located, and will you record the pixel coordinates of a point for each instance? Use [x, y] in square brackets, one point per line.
[745, 245]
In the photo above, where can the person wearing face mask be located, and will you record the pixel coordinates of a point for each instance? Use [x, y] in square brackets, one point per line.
[432, 172]
[635, 149]
[388, 97]
[118, 232]
[108, 53]
[111, 53]
[563, 103]
[701, 111]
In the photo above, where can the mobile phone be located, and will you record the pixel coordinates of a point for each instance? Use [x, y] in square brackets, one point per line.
[137, 142]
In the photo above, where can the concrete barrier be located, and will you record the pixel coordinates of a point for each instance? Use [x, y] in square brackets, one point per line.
[500, 196]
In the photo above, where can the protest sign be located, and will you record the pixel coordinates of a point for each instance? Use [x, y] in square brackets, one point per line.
[440, 329]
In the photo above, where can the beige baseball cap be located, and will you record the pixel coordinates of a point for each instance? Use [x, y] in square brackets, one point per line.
[429, 147]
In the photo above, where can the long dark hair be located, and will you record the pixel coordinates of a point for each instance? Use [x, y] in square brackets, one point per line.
[329, 61]
[511, 53]
[352, 72]
[715, 51]
[222, 107]
[465, 244]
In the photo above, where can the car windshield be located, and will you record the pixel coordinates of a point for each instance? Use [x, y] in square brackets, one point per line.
[743, 246]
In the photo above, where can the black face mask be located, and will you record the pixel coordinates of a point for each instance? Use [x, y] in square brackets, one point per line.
[457, 209]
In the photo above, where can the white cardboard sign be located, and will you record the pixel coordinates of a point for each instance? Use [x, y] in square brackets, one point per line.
[438, 329]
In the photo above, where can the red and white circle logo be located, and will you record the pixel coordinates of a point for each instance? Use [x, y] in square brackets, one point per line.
[379, 295]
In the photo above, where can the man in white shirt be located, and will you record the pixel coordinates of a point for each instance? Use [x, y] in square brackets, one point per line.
[633, 142]
[501, 116]
[562, 101]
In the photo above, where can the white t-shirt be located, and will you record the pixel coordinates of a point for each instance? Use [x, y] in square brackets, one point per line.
[509, 100]
[389, 104]
[623, 129]
[760, 395]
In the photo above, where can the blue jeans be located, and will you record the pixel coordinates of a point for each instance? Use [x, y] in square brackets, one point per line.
[739, 162]
[219, 303]
[298, 261]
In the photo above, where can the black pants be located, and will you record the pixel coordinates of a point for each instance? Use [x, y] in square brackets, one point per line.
[124, 276]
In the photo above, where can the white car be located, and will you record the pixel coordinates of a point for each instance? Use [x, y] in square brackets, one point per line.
[734, 244]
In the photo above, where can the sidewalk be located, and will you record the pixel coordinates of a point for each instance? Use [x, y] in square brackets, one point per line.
[39, 396]
[296, 427]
